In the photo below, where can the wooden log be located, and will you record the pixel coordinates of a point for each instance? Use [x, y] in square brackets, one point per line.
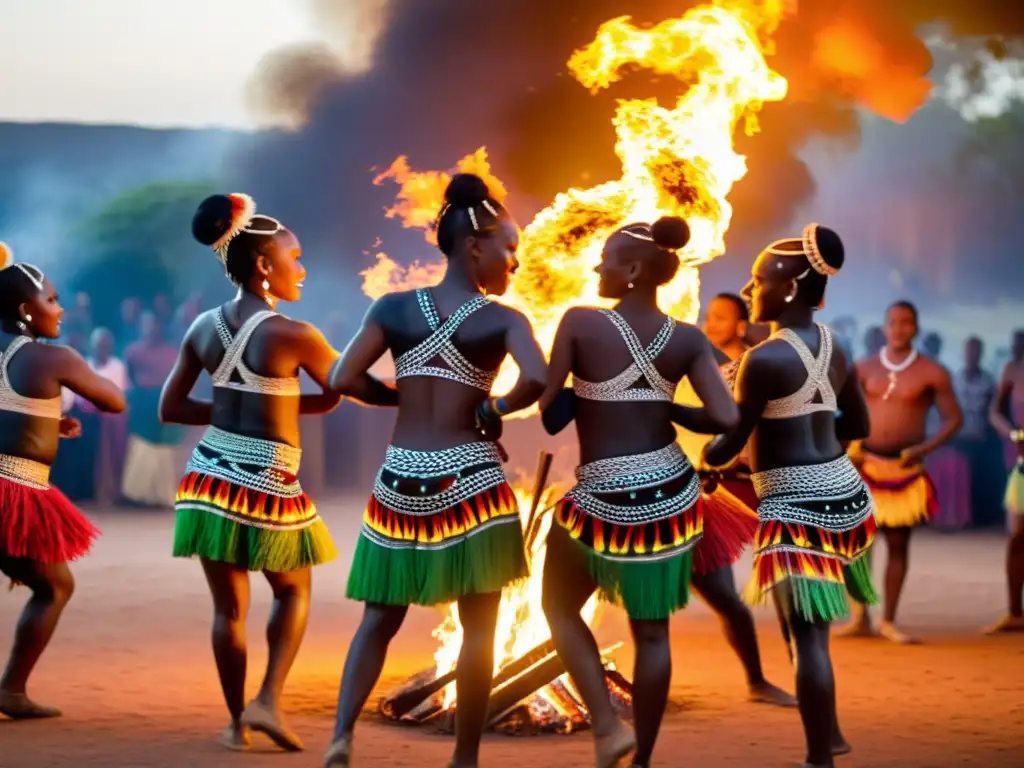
[540, 482]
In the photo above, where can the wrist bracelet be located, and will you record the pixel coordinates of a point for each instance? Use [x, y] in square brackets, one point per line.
[500, 406]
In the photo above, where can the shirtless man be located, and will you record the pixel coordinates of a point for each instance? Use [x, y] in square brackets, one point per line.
[901, 387]
[1007, 416]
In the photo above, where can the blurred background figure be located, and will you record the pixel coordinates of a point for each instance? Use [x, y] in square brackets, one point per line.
[113, 427]
[977, 441]
[152, 468]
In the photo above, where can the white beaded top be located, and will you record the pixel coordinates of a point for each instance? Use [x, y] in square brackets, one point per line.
[234, 348]
[621, 388]
[47, 408]
[801, 402]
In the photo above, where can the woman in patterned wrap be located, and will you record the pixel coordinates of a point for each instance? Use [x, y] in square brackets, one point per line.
[442, 525]
[239, 507]
[815, 511]
[40, 530]
[629, 526]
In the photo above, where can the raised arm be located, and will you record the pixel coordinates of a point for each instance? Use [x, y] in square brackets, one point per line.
[315, 357]
[350, 374]
[77, 376]
[177, 406]
[557, 404]
[719, 412]
[751, 396]
[853, 421]
[999, 413]
[949, 410]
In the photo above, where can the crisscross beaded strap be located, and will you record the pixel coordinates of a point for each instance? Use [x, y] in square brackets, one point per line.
[801, 402]
[620, 388]
[47, 408]
[439, 344]
[234, 348]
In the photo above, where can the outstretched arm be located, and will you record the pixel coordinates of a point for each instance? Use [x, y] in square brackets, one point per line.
[533, 368]
[177, 406]
[557, 403]
[350, 374]
[719, 412]
[77, 376]
[752, 396]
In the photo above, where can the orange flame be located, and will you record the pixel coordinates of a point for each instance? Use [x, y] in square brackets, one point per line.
[675, 161]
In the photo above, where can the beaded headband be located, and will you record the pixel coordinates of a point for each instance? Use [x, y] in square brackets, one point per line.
[808, 246]
[485, 204]
[243, 210]
[33, 273]
[639, 232]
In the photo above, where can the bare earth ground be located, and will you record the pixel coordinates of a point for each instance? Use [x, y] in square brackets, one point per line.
[132, 669]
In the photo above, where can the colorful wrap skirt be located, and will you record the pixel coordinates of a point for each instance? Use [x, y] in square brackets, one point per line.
[728, 507]
[37, 521]
[1014, 498]
[904, 496]
[637, 520]
[439, 525]
[815, 527]
[240, 502]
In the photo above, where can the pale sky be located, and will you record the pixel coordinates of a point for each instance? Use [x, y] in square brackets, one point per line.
[181, 63]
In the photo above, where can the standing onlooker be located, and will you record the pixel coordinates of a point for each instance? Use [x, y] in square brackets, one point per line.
[113, 427]
[947, 466]
[151, 469]
[977, 440]
[129, 330]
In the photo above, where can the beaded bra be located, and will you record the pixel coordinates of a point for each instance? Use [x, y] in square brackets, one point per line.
[47, 408]
[439, 343]
[231, 363]
[801, 402]
[620, 388]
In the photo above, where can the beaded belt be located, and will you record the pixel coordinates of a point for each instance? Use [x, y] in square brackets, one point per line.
[460, 463]
[633, 473]
[234, 455]
[832, 495]
[34, 474]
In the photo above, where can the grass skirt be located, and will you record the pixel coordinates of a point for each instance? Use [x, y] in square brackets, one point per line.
[903, 496]
[461, 534]
[816, 526]
[643, 566]
[230, 521]
[730, 523]
[37, 521]
[1014, 498]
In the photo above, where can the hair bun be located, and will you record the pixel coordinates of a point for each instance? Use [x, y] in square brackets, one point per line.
[830, 246]
[670, 233]
[466, 190]
[6, 255]
[219, 215]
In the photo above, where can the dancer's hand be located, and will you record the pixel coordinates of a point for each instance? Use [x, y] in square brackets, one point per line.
[70, 427]
[911, 457]
[488, 421]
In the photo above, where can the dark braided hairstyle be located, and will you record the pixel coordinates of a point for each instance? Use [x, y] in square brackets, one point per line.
[657, 245]
[469, 210]
[230, 225]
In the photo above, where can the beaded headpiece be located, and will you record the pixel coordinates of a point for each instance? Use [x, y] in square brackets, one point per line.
[34, 274]
[485, 204]
[807, 245]
[243, 211]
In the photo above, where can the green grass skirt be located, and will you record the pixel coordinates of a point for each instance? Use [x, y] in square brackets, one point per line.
[200, 533]
[485, 561]
[816, 600]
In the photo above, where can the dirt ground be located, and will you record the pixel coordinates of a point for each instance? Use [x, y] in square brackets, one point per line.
[132, 669]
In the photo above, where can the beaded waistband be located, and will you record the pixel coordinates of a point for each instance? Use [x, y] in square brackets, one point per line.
[830, 495]
[235, 456]
[253, 450]
[630, 473]
[34, 474]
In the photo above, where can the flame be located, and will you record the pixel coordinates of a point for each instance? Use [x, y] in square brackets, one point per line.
[675, 161]
[521, 623]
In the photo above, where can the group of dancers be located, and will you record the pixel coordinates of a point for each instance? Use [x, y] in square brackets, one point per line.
[643, 526]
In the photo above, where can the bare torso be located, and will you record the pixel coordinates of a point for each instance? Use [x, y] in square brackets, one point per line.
[31, 375]
[900, 421]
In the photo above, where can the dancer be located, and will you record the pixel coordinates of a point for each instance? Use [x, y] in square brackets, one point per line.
[240, 507]
[628, 527]
[814, 509]
[40, 530]
[730, 521]
[1007, 416]
[442, 525]
[901, 387]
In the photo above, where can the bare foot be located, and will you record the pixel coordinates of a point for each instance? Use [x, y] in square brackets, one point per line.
[339, 753]
[766, 693]
[18, 706]
[236, 737]
[614, 746]
[889, 631]
[1009, 623]
[840, 747]
[269, 721]
[857, 628]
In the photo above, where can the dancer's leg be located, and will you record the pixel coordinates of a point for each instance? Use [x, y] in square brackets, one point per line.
[815, 689]
[652, 676]
[897, 543]
[478, 615]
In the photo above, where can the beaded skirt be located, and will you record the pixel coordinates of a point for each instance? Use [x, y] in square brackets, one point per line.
[904, 496]
[1014, 498]
[728, 505]
[637, 520]
[439, 525]
[37, 521]
[240, 502]
[815, 526]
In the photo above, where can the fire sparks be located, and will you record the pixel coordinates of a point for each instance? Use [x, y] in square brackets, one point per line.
[675, 161]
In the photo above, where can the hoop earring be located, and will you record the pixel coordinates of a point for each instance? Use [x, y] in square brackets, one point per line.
[266, 285]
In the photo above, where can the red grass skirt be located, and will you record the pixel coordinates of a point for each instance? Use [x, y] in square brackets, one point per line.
[42, 525]
[730, 524]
